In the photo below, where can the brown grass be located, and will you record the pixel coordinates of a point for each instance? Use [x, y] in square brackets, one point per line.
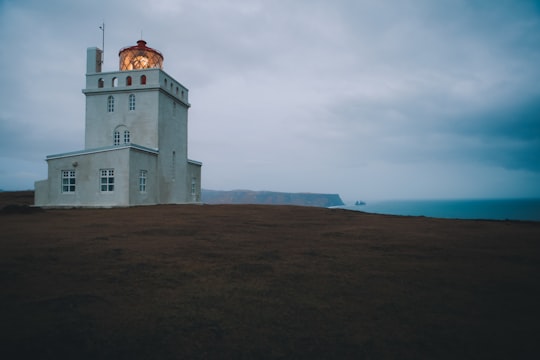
[263, 282]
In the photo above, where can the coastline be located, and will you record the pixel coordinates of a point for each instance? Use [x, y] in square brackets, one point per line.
[471, 209]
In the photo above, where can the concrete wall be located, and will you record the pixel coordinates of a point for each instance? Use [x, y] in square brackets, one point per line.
[193, 174]
[143, 161]
[172, 163]
[141, 122]
[41, 192]
[126, 162]
[93, 60]
[87, 169]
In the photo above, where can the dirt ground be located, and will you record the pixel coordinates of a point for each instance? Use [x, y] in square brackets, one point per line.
[263, 282]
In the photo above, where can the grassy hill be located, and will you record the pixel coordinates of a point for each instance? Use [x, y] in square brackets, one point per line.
[264, 282]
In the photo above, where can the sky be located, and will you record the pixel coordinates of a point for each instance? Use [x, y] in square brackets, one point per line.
[387, 99]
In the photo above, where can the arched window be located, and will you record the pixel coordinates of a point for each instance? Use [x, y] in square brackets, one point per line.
[143, 79]
[116, 137]
[114, 82]
[100, 83]
[131, 102]
[177, 91]
[165, 82]
[110, 103]
[128, 81]
[118, 131]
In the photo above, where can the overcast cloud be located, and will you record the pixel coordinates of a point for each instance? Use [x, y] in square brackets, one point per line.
[368, 99]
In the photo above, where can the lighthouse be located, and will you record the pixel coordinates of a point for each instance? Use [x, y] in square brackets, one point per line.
[136, 139]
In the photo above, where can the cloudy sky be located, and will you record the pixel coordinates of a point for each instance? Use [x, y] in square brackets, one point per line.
[368, 99]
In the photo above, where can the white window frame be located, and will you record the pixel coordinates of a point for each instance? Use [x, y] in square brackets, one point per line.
[193, 186]
[143, 176]
[69, 181]
[116, 137]
[127, 137]
[110, 103]
[106, 180]
[131, 102]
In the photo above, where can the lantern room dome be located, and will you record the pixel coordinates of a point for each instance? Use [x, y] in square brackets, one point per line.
[139, 57]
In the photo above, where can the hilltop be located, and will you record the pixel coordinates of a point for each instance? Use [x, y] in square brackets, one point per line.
[263, 282]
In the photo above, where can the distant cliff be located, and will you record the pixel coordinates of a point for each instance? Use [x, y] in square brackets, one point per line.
[269, 197]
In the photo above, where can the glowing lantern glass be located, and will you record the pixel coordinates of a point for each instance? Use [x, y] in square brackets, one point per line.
[140, 57]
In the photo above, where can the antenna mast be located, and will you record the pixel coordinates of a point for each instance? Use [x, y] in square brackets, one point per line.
[102, 27]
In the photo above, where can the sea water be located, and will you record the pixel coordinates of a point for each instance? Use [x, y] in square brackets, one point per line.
[493, 209]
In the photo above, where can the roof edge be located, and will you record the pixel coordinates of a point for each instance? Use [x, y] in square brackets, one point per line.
[102, 149]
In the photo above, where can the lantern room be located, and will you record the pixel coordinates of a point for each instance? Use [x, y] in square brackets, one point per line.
[139, 57]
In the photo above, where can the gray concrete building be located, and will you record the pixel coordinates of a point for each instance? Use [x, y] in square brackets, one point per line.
[136, 140]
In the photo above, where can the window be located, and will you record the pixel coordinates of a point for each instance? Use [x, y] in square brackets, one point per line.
[131, 102]
[110, 103]
[118, 133]
[114, 82]
[128, 81]
[68, 181]
[100, 83]
[142, 181]
[143, 79]
[107, 180]
[193, 186]
[165, 81]
[116, 137]
[177, 91]
[173, 166]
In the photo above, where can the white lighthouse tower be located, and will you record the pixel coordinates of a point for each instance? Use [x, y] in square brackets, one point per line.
[135, 139]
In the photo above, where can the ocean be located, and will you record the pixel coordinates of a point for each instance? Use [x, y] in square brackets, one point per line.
[493, 209]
